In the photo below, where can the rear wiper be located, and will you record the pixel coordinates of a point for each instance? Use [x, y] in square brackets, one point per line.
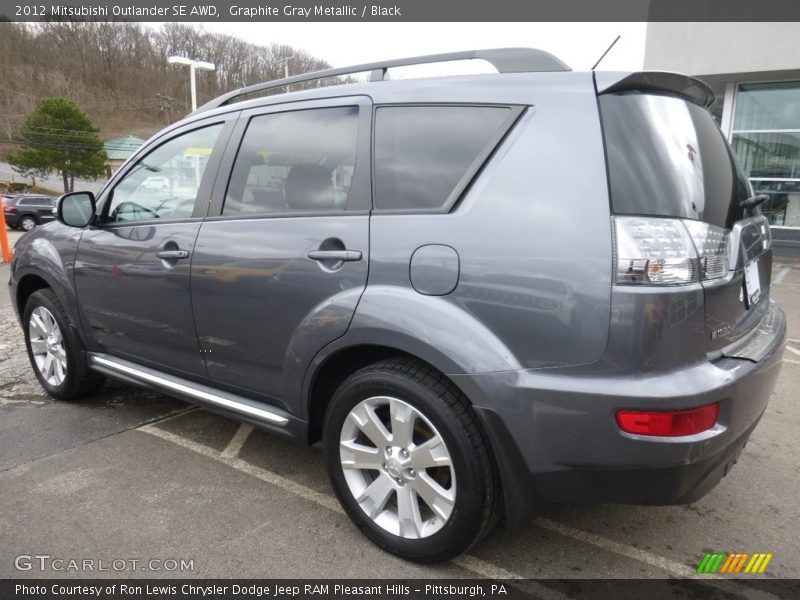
[754, 201]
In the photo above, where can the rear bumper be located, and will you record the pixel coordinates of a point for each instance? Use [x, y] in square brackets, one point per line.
[556, 437]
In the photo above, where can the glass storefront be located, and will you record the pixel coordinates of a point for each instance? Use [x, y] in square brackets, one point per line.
[766, 138]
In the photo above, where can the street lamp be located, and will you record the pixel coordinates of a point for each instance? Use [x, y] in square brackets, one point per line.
[285, 60]
[193, 66]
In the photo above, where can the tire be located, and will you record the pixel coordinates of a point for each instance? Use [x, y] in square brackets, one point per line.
[27, 223]
[65, 374]
[417, 511]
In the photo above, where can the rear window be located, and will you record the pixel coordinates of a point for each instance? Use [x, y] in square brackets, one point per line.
[424, 155]
[667, 157]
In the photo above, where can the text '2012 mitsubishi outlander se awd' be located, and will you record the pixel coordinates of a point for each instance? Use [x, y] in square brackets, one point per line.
[482, 292]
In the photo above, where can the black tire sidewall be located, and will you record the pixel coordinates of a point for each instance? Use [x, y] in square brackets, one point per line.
[47, 299]
[463, 525]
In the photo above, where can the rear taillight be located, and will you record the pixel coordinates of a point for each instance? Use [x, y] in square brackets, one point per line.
[674, 423]
[656, 251]
[9, 208]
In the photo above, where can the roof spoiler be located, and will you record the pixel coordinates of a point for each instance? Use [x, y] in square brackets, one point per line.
[693, 90]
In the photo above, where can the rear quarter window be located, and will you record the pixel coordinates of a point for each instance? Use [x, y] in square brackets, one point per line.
[424, 155]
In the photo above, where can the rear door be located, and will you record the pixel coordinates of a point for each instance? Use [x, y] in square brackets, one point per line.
[668, 158]
[281, 261]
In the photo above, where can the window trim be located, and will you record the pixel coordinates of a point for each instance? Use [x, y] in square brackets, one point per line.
[460, 189]
[361, 174]
[227, 121]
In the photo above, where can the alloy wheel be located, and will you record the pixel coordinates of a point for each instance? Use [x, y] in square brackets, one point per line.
[47, 346]
[397, 467]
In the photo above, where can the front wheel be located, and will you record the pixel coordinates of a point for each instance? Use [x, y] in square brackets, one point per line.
[409, 462]
[55, 354]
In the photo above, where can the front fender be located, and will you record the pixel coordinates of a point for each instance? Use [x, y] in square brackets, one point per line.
[48, 252]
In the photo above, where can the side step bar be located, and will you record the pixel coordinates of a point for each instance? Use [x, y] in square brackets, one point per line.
[199, 394]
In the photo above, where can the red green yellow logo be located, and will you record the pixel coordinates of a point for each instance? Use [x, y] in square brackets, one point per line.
[735, 562]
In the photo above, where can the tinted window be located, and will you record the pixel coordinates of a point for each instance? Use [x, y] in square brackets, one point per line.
[164, 184]
[667, 157]
[36, 201]
[423, 152]
[295, 161]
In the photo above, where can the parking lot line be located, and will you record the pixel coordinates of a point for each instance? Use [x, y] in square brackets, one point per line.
[670, 566]
[237, 441]
[779, 277]
[469, 563]
[793, 350]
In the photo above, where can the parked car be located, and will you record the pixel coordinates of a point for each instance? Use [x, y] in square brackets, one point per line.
[26, 211]
[476, 330]
[155, 184]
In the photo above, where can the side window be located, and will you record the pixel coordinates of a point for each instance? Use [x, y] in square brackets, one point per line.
[423, 152]
[164, 184]
[294, 161]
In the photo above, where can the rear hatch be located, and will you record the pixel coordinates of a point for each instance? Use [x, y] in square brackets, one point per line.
[667, 158]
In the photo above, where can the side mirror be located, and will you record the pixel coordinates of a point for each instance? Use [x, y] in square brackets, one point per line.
[76, 209]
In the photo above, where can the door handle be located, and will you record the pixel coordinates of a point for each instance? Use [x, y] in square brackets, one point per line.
[335, 255]
[172, 254]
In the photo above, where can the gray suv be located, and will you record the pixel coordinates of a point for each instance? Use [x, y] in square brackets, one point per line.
[482, 293]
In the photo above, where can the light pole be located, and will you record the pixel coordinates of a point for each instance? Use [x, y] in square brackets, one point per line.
[285, 60]
[193, 66]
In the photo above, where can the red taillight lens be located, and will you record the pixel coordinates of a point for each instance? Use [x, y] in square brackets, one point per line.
[673, 423]
[9, 208]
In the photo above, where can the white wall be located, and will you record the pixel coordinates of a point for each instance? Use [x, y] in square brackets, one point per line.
[717, 48]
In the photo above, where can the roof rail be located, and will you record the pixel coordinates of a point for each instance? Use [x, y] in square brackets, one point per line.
[505, 60]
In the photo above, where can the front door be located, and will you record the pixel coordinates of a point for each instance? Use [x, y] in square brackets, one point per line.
[132, 267]
[277, 273]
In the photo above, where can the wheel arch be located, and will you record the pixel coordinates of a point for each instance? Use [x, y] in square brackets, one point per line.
[330, 368]
[27, 285]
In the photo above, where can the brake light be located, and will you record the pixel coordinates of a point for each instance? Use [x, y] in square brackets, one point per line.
[9, 208]
[673, 423]
[657, 251]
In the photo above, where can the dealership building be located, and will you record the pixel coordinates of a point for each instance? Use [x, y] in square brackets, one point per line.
[754, 69]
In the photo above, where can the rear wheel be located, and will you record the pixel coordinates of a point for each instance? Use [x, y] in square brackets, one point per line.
[27, 223]
[409, 462]
[55, 353]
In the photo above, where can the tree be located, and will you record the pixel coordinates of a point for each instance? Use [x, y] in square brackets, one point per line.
[59, 136]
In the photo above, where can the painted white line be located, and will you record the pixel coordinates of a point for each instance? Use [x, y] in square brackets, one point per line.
[779, 277]
[791, 362]
[670, 566]
[466, 561]
[490, 571]
[240, 465]
[793, 350]
[237, 441]
[470, 563]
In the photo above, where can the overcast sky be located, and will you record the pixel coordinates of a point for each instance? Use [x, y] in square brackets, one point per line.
[342, 44]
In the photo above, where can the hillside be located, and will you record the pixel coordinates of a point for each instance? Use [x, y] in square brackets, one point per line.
[118, 73]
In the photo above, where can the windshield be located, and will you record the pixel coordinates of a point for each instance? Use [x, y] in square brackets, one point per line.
[667, 157]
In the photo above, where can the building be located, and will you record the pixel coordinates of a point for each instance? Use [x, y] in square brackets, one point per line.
[119, 150]
[754, 69]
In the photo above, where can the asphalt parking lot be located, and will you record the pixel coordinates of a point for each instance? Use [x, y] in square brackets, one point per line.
[132, 474]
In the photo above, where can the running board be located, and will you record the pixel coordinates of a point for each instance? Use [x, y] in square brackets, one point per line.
[194, 392]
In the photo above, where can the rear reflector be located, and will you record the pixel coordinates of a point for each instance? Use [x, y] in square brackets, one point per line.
[673, 423]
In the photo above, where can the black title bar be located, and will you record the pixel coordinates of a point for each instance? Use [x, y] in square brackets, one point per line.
[404, 10]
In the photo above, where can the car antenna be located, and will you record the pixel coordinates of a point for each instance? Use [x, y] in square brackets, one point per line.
[606, 52]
